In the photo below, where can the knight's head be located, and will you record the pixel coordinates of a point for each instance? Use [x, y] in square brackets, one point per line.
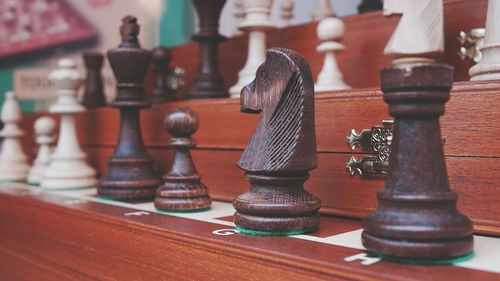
[272, 79]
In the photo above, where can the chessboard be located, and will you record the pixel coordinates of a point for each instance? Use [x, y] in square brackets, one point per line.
[27, 25]
[335, 251]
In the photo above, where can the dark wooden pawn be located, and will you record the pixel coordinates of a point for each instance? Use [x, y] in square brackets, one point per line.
[370, 5]
[282, 150]
[416, 216]
[182, 189]
[208, 82]
[93, 88]
[162, 91]
[130, 174]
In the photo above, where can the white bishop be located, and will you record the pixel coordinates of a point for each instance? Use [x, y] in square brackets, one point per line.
[13, 162]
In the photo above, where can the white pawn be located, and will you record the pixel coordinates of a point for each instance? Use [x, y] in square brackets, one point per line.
[323, 10]
[13, 162]
[68, 167]
[330, 30]
[257, 22]
[286, 11]
[45, 138]
[488, 67]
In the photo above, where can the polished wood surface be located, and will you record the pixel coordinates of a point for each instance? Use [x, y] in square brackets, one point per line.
[100, 242]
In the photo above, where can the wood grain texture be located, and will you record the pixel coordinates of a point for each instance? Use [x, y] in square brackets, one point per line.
[466, 126]
[98, 241]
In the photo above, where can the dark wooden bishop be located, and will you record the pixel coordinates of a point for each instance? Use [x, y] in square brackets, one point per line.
[416, 216]
[282, 150]
[162, 91]
[208, 82]
[130, 174]
[182, 189]
[370, 5]
[93, 93]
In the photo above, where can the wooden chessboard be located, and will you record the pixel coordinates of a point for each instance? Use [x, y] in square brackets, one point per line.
[83, 237]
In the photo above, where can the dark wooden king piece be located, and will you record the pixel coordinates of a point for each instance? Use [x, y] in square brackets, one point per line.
[93, 93]
[417, 216]
[162, 91]
[130, 175]
[182, 189]
[282, 150]
[208, 82]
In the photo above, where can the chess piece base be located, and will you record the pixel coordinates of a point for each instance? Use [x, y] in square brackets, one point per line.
[178, 196]
[129, 180]
[65, 174]
[277, 204]
[14, 172]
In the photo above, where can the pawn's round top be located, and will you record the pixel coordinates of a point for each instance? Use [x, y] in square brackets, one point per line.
[330, 29]
[44, 126]
[181, 122]
[162, 54]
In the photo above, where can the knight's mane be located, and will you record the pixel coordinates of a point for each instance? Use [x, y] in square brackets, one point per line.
[285, 124]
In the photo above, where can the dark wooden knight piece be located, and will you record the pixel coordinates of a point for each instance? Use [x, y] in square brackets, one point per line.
[208, 82]
[93, 93]
[282, 150]
[162, 91]
[130, 174]
[182, 189]
[416, 216]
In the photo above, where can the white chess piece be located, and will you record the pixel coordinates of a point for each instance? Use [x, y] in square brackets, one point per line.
[239, 15]
[287, 11]
[257, 22]
[330, 31]
[68, 167]
[419, 36]
[13, 162]
[488, 67]
[323, 10]
[45, 138]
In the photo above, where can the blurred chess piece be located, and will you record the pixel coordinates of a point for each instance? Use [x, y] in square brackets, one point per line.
[419, 36]
[287, 7]
[13, 162]
[330, 31]
[257, 22]
[162, 92]
[68, 167]
[93, 93]
[369, 6]
[45, 138]
[323, 10]
[488, 67]
[239, 15]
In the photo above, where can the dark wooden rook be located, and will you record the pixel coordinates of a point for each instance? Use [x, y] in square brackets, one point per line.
[282, 150]
[93, 90]
[162, 91]
[370, 5]
[208, 82]
[416, 216]
[130, 174]
[182, 189]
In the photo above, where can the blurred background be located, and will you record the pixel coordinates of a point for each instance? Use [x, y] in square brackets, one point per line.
[34, 34]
